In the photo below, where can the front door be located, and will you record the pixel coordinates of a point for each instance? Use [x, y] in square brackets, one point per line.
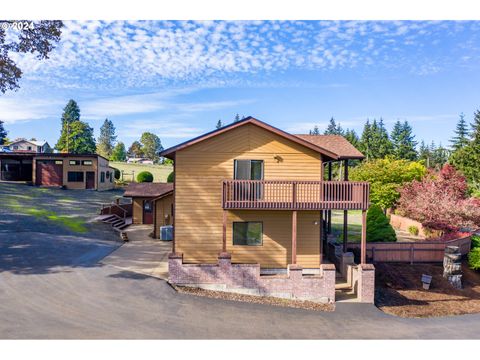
[90, 180]
[147, 212]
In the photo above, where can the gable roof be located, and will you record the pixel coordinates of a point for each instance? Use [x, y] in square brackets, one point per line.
[33, 142]
[330, 151]
[148, 189]
[335, 143]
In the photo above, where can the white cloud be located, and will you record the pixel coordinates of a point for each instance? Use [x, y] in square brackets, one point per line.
[12, 110]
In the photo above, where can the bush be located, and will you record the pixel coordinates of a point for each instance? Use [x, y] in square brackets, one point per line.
[116, 173]
[413, 230]
[171, 177]
[144, 176]
[378, 226]
[474, 259]
[475, 241]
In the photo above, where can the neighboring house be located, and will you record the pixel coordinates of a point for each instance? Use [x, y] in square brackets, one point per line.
[250, 200]
[73, 171]
[23, 145]
[152, 204]
[139, 161]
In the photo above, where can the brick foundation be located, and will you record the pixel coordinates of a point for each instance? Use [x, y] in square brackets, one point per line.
[246, 279]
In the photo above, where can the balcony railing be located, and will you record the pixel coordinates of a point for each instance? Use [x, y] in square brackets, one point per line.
[295, 195]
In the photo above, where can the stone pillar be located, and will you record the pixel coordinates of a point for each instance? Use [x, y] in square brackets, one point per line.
[366, 283]
[346, 260]
[328, 273]
[295, 272]
[224, 275]
[175, 268]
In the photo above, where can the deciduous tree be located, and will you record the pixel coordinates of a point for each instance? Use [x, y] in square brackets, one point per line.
[119, 153]
[151, 146]
[37, 37]
[3, 133]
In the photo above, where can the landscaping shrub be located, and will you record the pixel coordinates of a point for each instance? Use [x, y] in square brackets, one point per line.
[378, 226]
[145, 176]
[412, 229]
[116, 173]
[475, 241]
[474, 259]
[171, 177]
[440, 201]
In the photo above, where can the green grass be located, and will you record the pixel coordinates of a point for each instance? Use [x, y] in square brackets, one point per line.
[75, 225]
[354, 225]
[159, 172]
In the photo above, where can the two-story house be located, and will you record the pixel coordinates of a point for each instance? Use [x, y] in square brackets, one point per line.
[34, 146]
[250, 200]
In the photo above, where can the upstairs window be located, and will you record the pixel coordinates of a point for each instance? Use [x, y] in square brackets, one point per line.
[248, 170]
[74, 162]
[248, 233]
[87, 162]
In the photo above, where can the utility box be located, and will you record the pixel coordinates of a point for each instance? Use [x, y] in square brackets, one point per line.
[426, 281]
[166, 233]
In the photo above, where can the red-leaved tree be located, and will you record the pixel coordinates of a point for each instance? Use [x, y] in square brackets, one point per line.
[440, 201]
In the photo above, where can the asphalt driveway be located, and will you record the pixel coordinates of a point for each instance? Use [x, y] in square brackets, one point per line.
[54, 286]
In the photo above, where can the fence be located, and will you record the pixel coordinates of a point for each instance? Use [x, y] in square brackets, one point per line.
[412, 252]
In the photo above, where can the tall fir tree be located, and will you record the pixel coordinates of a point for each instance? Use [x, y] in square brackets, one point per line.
[333, 128]
[237, 118]
[219, 124]
[365, 145]
[467, 158]
[352, 137]
[71, 113]
[80, 138]
[315, 131]
[384, 144]
[403, 141]
[461, 134]
[107, 139]
[3, 133]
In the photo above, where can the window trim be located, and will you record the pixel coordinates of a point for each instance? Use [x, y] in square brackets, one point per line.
[75, 162]
[84, 162]
[235, 163]
[247, 222]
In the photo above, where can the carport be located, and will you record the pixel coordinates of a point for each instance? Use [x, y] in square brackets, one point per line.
[16, 167]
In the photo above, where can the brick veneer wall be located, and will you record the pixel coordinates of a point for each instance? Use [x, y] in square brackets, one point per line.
[246, 278]
[366, 283]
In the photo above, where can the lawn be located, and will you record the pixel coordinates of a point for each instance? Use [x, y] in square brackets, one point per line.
[354, 225]
[159, 172]
[399, 291]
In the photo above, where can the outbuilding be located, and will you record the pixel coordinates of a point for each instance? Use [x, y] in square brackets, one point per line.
[152, 203]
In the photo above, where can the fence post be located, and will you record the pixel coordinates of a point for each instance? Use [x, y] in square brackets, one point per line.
[373, 254]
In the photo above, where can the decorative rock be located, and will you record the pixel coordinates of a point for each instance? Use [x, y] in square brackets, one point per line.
[452, 266]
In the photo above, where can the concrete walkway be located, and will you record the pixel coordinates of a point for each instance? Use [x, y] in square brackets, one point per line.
[141, 254]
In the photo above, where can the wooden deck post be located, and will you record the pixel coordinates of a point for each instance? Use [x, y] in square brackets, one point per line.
[345, 212]
[363, 247]
[320, 232]
[224, 232]
[329, 212]
[294, 237]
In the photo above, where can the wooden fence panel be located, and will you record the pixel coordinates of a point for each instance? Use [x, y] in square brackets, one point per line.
[412, 252]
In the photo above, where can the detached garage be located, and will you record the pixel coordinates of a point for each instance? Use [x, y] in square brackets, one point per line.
[72, 171]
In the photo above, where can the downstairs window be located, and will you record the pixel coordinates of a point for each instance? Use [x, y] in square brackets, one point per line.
[248, 233]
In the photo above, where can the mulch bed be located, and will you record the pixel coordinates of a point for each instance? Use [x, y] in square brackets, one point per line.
[300, 304]
[399, 291]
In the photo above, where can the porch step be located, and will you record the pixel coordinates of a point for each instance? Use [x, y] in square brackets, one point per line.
[345, 296]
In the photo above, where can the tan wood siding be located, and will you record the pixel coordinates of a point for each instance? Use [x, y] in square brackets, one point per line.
[137, 210]
[163, 213]
[200, 170]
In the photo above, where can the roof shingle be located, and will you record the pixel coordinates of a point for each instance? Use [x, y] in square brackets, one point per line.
[334, 143]
[148, 189]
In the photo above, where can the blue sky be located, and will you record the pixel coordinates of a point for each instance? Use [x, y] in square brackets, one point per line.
[177, 79]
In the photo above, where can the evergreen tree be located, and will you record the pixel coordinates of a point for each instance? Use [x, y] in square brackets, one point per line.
[219, 124]
[106, 139]
[315, 131]
[384, 145]
[333, 128]
[352, 137]
[135, 150]
[467, 158]
[151, 146]
[403, 141]
[80, 138]
[461, 134]
[119, 153]
[71, 113]
[440, 156]
[424, 153]
[3, 134]
[237, 118]
[365, 145]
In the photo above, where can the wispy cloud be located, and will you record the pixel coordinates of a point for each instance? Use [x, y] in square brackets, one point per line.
[12, 110]
[113, 55]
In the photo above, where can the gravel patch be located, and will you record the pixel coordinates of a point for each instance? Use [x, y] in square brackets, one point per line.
[266, 300]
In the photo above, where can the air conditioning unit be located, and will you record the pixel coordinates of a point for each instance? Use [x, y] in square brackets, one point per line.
[166, 233]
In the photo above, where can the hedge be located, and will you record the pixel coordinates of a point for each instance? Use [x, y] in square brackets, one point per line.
[378, 226]
[171, 177]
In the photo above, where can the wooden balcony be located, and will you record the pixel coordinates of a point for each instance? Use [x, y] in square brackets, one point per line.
[295, 195]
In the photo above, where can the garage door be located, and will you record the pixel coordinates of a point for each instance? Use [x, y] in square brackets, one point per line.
[49, 173]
